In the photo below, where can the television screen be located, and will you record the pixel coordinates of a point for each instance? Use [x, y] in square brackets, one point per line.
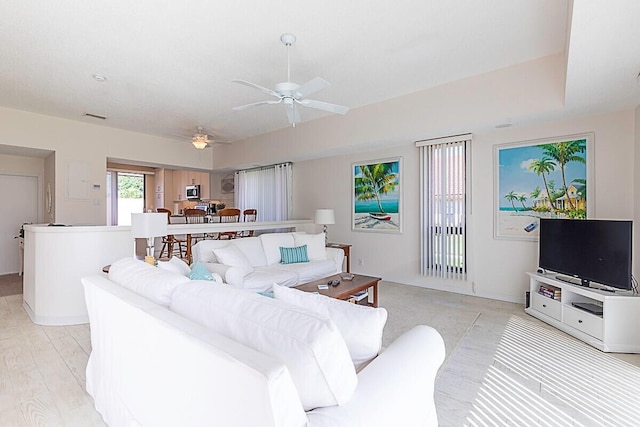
[591, 250]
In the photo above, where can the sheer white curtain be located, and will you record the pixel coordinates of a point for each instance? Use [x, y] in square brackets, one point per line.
[266, 189]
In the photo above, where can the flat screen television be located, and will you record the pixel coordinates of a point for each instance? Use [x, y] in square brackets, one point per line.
[591, 250]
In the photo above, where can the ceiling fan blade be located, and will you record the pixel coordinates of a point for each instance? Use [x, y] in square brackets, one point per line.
[292, 114]
[255, 86]
[321, 105]
[312, 86]
[255, 104]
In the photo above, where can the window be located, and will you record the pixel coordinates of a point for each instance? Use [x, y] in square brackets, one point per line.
[443, 188]
[266, 189]
[125, 195]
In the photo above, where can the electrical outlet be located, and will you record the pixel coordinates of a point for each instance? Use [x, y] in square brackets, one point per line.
[360, 261]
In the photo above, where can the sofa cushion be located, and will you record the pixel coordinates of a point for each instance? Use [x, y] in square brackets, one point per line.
[360, 326]
[145, 279]
[251, 247]
[203, 250]
[293, 255]
[308, 271]
[263, 278]
[315, 245]
[231, 255]
[271, 243]
[309, 344]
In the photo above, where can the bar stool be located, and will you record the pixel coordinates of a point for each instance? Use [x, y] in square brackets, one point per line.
[249, 215]
[170, 242]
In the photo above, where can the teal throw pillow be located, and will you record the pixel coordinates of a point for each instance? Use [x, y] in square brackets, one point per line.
[293, 255]
[200, 272]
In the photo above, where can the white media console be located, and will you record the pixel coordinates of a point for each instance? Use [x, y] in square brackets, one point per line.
[615, 330]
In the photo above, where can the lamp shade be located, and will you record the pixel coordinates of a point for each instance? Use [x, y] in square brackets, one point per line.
[146, 225]
[325, 216]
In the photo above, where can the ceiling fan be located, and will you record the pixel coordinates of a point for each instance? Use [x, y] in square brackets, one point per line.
[202, 139]
[291, 94]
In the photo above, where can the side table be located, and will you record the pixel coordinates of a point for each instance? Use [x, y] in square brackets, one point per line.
[346, 249]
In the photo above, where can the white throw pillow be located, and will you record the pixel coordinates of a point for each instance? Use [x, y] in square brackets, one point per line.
[271, 243]
[316, 249]
[144, 279]
[251, 247]
[309, 344]
[231, 255]
[360, 326]
[175, 265]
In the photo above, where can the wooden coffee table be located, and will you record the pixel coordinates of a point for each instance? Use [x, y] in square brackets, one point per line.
[346, 288]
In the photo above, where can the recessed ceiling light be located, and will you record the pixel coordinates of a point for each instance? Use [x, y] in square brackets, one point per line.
[503, 125]
[99, 78]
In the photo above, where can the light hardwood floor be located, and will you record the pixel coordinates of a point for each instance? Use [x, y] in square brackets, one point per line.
[42, 369]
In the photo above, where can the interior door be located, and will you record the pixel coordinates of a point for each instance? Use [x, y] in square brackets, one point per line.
[19, 196]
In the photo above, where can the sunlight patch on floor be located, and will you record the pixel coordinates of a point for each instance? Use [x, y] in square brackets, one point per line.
[544, 377]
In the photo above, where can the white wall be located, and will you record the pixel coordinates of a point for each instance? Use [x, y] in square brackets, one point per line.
[529, 95]
[497, 267]
[88, 144]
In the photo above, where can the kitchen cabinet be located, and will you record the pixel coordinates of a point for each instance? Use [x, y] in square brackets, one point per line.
[182, 178]
[159, 180]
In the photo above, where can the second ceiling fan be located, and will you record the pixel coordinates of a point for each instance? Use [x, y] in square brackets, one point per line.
[291, 94]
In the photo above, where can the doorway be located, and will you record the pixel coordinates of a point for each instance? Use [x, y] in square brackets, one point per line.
[22, 193]
[125, 195]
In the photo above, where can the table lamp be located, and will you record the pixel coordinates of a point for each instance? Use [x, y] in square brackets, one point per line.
[324, 217]
[149, 226]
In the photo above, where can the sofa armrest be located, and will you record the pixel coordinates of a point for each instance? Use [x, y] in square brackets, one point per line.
[396, 388]
[233, 276]
[215, 267]
[337, 256]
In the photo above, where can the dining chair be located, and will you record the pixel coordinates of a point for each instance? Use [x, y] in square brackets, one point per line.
[248, 215]
[228, 215]
[171, 242]
[195, 216]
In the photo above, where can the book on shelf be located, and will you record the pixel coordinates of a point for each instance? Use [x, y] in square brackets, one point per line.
[550, 292]
[359, 296]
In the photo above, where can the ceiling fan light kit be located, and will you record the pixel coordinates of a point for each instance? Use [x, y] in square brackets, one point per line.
[291, 94]
[200, 141]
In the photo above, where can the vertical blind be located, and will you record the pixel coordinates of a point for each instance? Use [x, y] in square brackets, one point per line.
[267, 189]
[443, 207]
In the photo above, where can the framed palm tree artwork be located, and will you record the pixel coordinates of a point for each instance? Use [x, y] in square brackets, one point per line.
[377, 191]
[546, 178]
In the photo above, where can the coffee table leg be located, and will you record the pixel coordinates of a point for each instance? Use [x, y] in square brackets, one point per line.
[375, 294]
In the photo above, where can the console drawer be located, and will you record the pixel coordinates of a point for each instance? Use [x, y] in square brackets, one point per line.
[583, 321]
[546, 305]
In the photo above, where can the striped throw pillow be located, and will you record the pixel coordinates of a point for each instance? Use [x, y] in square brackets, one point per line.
[293, 255]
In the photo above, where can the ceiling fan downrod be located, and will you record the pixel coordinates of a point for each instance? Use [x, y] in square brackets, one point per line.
[288, 39]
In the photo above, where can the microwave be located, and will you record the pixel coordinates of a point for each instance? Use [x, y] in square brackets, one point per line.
[192, 192]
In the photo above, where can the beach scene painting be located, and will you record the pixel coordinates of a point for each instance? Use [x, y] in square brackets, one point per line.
[541, 179]
[376, 194]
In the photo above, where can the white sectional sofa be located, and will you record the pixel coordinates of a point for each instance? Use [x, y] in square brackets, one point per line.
[254, 263]
[169, 351]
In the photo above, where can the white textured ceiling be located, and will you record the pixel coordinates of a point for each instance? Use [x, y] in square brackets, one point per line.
[169, 64]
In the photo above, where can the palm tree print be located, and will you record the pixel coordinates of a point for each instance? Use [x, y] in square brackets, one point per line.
[375, 180]
[511, 196]
[563, 153]
[522, 198]
[542, 167]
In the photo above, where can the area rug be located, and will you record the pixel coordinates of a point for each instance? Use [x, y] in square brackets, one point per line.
[543, 377]
[10, 284]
